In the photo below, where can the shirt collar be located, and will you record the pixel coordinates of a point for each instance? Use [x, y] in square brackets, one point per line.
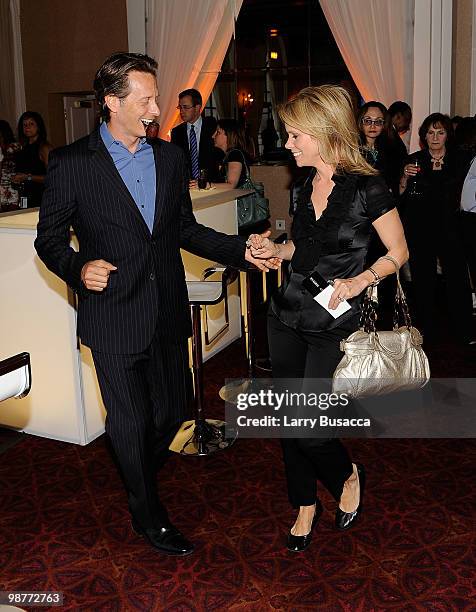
[197, 125]
[110, 141]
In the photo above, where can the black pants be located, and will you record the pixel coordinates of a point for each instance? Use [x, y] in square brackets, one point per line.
[146, 396]
[448, 247]
[298, 355]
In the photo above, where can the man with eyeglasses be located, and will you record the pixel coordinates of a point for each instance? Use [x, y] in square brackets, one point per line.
[194, 136]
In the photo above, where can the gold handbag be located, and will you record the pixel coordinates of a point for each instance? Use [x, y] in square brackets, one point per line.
[381, 362]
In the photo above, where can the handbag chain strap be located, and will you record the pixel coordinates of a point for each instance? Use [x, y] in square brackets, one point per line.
[368, 316]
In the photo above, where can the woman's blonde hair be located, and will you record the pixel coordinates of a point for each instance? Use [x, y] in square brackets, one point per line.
[325, 112]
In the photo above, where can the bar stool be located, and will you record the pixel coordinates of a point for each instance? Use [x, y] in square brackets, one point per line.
[15, 376]
[230, 391]
[205, 436]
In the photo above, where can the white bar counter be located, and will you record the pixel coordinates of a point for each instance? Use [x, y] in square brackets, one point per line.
[38, 315]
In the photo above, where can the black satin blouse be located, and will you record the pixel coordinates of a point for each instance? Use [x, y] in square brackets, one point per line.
[335, 245]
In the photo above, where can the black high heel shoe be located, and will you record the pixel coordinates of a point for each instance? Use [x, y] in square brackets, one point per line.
[346, 520]
[297, 544]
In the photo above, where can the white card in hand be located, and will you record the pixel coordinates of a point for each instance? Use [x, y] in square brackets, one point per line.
[323, 298]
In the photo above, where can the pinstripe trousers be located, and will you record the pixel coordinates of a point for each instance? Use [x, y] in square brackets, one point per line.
[147, 396]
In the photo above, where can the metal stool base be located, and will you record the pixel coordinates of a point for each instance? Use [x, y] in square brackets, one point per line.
[202, 438]
[231, 390]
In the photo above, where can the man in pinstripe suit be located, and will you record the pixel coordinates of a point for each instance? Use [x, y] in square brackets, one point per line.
[128, 202]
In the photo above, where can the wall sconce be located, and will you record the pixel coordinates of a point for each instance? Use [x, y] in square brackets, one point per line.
[273, 55]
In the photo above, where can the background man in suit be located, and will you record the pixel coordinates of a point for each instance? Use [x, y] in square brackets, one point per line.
[194, 136]
[129, 205]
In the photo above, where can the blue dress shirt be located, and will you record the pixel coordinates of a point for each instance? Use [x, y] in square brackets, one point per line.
[137, 170]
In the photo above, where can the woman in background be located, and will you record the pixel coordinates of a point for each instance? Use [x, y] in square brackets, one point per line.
[384, 150]
[231, 139]
[381, 146]
[431, 191]
[32, 160]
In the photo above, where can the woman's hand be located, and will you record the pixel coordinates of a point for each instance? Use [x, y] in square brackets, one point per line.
[19, 178]
[410, 170]
[346, 288]
[261, 246]
[273, 263]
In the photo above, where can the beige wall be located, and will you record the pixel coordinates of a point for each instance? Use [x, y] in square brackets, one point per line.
[277, 181]
[64, 42]
[461, 61]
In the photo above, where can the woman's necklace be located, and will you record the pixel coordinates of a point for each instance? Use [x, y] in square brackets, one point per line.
[372, 152]
[437, 161]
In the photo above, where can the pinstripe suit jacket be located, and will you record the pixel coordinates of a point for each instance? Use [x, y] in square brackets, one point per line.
[148, 291]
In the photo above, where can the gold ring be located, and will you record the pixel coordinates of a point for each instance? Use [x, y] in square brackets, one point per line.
[341, 299]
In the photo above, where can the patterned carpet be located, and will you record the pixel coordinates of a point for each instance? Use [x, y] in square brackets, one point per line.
[65, 527]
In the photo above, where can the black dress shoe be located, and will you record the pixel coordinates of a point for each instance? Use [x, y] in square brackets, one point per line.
[299, 543]
[346, 520]
[166, 539]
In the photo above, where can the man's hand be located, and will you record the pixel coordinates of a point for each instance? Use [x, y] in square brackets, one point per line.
[261, 247]
[95, 274]
[273, 263]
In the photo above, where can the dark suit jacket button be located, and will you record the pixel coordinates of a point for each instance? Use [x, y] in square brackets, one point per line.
[152, 276]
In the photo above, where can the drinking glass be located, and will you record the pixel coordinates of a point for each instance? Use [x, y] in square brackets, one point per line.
[415, 188]
[202, 179]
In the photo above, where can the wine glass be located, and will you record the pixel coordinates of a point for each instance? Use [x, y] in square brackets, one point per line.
[415, 187]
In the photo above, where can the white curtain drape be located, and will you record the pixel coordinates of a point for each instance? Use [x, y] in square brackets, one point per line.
[12, 89]
[189, 39]
[375, 38]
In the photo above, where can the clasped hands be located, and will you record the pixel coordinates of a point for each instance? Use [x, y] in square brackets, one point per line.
[263, 252]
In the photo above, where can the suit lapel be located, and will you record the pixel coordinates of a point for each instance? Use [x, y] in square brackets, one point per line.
[103, 162]
[160, 183]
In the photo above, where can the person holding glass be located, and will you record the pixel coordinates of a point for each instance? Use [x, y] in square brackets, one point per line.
[8, 149]
[32, 159]
[340, 201]
[430, 190]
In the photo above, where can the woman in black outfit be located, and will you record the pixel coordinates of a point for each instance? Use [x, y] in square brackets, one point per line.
[381, 145]
[32, 159]
[230, 138]
[384, 150]
[339, 202]
[430, 200]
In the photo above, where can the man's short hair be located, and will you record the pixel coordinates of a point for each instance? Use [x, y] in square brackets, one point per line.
[112, 78]
[194, 94]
